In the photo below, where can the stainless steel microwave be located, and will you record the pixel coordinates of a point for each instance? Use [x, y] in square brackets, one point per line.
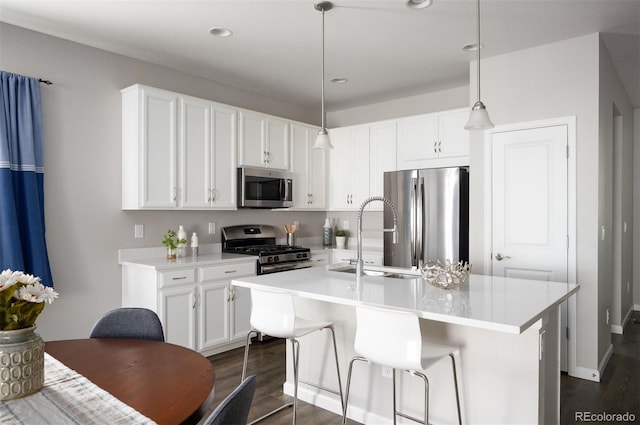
[264, 188]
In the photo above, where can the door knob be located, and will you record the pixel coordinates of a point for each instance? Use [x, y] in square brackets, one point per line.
[501, 257]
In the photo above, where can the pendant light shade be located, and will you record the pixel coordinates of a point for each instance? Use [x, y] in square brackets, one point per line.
[323, 141]
[479, 118]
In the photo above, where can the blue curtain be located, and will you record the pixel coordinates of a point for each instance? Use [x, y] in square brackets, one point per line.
[22, 231]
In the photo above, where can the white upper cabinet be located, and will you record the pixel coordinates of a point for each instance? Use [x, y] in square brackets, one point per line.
[149, 148]
[433, 140]
[382, 157]
[361, 156]
[309, 167]
[263, 141]
[177, 151]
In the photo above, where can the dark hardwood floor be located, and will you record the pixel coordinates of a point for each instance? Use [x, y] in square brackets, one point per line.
[618, 392]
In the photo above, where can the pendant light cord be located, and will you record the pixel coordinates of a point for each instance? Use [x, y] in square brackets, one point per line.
[322, 85]
[478, 19]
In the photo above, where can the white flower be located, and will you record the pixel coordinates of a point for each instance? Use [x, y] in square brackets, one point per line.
[8, 278]
[36, 293]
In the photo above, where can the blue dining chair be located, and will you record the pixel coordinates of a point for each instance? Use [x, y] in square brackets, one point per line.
[129, 322]
[234, 409]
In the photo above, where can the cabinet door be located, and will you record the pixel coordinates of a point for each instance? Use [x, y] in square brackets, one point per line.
[359, 165]
[382, 157]
[177, 310]
[252, 147]
[309, 167]
[213, 314]
[277, 150]
[340, 184]
[453, 137]
[223, 184]
[158, 156]
[195, 153]
[417, 141]
[240, 312]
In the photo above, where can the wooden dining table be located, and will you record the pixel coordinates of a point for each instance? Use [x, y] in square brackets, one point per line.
[165, 382]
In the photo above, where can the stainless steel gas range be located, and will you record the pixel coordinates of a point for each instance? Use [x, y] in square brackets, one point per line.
[260, 240]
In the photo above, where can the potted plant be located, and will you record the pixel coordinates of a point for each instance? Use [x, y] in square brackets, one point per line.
[341, 238]
[22, 299]
[171, 241]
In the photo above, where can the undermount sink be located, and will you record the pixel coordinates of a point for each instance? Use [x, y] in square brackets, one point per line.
[378, 273]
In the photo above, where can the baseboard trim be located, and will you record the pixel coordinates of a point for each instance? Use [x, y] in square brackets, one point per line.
[332, 403]
[586, 373]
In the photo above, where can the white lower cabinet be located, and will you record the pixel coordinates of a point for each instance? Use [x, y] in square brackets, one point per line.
[198, 307]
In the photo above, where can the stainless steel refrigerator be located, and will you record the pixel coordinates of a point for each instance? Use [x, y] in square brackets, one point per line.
[433, 215]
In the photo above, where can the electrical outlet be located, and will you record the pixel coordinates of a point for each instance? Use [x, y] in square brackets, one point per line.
[387, 372]
[138, 231]
[212, 228]
[297, 224]
[345, 225]
[607, 316]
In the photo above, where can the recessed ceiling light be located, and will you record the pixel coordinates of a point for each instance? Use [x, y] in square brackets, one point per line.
[339, 80]
[418, 4]
[221, 32]
[472, 47]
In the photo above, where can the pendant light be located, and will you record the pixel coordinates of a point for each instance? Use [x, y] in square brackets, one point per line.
[479, 118]
[323, 141]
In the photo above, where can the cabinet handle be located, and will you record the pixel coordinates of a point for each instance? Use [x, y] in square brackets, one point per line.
[175, 193]
[230, 271]
[228, 294]
[264, 157]
[193, 301]
[178, 278]
[440, 146]
[233, 294]
[268, 156]
[435, 148]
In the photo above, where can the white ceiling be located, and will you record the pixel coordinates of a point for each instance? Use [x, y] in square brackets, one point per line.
[386, 50]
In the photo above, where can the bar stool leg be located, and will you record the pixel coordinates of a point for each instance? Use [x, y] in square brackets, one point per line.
[295, 345]
[346, 394]
[246, 353]
[395, 410]
[335, 352]
[455, 383]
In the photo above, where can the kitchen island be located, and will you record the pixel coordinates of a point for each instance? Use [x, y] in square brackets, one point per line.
[507, 331]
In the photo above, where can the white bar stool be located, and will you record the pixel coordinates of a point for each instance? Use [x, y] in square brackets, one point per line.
[273, 313]
[393, 339]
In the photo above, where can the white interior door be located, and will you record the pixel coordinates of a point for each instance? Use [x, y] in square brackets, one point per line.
[530, 206]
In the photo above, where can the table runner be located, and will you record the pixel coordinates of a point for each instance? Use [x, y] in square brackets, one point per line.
[67, 397]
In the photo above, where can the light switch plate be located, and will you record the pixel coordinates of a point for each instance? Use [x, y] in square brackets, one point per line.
[138, 231]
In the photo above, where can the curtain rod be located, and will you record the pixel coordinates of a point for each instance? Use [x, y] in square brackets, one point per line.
[47, 82]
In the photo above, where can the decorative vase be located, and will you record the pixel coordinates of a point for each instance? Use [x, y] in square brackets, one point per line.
[171, 253]
[21, 363]
[341, 242]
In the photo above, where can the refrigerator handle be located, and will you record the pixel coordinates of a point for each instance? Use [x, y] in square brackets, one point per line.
[419, 221]
[413, 221]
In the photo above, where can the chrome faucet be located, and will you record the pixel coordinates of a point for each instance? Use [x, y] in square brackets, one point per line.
[359, 262]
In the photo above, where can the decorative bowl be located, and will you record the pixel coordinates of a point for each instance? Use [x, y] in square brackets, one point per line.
[447, 276]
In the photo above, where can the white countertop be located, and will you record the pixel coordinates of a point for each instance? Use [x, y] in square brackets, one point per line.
[488, 302]
[161, 263]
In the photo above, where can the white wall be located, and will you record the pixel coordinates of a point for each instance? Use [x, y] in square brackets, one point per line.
[616, 177]
[414, 105]
[85, 226]
[557, 80]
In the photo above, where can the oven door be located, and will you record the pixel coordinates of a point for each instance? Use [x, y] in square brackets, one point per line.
[282, 267]
[263, 188]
